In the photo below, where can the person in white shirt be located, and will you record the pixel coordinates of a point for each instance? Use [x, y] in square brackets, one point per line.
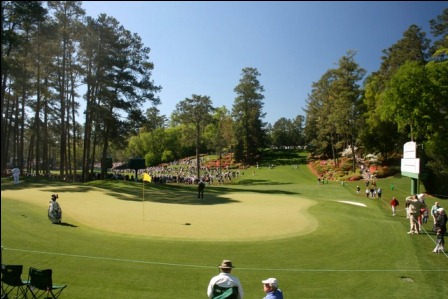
[434, 211]
[224, 282]
[415, 203]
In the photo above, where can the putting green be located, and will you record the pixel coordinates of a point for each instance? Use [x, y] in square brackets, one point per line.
[250, 216]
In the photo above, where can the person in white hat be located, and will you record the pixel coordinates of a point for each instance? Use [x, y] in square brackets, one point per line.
[434, 211]
[225, 285]
[440, 227]
[414, 211]
[270, 287]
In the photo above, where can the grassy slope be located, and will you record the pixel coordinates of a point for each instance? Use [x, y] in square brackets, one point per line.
[355, 252]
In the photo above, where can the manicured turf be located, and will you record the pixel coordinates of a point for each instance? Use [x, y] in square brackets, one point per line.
[292, 229]
[144, 215]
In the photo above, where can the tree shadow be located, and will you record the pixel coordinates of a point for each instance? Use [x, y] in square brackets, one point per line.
[246, 182]
[149, 192]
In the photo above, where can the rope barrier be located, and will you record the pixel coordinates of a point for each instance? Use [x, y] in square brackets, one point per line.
[214, 267]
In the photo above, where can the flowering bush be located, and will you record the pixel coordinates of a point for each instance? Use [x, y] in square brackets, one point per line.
[330, 171]
[385, 171]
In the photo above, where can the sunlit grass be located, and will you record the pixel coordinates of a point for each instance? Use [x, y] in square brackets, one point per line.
[354, 252]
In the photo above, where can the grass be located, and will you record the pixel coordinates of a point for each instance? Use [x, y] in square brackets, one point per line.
[353, 252]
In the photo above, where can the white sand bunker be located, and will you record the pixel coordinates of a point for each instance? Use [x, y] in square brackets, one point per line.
[353, 203]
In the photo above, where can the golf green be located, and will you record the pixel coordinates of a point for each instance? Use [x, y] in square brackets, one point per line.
[247, 216]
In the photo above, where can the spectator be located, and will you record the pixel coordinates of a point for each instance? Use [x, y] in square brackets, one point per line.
[421, 197]
[441, 230]
[407, 210]
[424, 215]
[270, 287]
[414, 211]
[225, 282]
[434, 211]
[394, 204]
[201, 187]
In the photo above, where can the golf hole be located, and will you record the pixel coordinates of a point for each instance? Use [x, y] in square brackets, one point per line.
[407, 279]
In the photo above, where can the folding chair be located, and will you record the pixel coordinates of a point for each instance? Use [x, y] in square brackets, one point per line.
[41, 284]
[12, 284]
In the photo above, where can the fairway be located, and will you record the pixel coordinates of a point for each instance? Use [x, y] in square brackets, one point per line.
[318, 240]
[247, 216]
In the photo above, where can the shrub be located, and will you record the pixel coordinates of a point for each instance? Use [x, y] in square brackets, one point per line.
[385, 171]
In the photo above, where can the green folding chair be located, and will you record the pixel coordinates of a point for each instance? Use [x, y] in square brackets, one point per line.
[12, 284]
[41, 284]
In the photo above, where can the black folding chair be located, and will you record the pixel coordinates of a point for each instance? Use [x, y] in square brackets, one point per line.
[12, 284]
[41, 284]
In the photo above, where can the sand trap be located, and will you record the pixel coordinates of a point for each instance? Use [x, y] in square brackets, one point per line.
[250, 216]
[353, 203]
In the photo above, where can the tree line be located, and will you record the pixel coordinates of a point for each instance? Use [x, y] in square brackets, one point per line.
[51, 50]
[405, 100]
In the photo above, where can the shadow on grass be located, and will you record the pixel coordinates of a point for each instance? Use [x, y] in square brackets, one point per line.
[136, 191]
[246, 182]
[67, 224]
[283, 157]
[33, 182]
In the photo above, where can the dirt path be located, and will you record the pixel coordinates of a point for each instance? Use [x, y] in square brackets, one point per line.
[311, 168]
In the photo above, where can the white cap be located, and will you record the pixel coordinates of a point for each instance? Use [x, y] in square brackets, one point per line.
[421, 196]
[271, 281]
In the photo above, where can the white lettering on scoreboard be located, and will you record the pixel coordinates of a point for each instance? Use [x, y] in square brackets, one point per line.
[410, 150]
[410, 165]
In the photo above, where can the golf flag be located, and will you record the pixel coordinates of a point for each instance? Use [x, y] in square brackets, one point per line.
[147, 177]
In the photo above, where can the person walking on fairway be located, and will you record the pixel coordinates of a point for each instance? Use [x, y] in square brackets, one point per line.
[394, 204]
[201, 187]
[225, 285]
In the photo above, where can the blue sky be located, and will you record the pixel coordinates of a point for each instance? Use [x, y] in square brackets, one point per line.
[201, 47]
